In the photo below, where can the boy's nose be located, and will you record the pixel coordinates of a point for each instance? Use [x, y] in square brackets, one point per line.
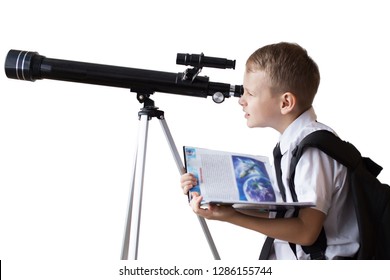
[241, 101]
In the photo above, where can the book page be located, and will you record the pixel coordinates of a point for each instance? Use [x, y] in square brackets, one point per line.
[216, 173]
[226, 177]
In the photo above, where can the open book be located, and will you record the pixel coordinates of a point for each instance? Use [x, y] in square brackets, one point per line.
[240, 180]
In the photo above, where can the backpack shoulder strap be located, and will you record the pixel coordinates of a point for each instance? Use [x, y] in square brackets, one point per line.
[342, 151]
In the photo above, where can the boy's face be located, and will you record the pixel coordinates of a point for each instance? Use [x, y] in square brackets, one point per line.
[261, 107]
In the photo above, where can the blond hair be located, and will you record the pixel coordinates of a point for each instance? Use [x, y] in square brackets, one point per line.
[289, 69]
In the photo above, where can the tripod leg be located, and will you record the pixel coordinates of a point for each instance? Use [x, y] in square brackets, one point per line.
[180, 167]
[126, 237]
[172, 146]
[133, 220]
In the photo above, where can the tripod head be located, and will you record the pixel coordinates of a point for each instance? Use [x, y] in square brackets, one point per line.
[30, 66]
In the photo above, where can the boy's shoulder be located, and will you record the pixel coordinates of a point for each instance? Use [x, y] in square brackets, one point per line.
[304, 125]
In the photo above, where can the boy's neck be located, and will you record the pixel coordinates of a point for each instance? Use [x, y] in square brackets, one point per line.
[288, 119]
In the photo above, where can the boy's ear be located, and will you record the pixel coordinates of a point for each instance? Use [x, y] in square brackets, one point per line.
[288, 102]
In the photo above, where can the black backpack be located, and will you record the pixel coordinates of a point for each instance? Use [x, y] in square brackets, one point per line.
[371, 197]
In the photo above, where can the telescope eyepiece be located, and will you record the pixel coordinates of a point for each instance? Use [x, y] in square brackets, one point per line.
[200, 60]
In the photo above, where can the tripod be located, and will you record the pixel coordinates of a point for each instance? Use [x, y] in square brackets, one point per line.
[131, 235]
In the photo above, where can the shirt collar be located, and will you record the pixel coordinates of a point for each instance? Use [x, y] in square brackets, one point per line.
[293, 130]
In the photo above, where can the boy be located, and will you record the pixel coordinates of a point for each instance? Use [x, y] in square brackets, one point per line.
[280, 83]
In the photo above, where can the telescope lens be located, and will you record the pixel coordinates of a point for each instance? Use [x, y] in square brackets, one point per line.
[18, 65]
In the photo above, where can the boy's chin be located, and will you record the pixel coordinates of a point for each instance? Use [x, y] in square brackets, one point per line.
[253, 125]
[250, 125]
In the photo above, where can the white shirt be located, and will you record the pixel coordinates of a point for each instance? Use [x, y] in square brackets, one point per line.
[321, 179]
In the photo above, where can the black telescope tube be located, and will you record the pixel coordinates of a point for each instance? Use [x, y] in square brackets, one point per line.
[30, 66]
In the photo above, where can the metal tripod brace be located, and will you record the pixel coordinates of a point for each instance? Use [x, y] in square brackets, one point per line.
[131, 235]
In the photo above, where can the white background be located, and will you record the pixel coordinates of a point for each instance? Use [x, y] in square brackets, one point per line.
[66, 149]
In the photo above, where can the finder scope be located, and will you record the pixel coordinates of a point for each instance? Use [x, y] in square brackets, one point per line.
[200, 60]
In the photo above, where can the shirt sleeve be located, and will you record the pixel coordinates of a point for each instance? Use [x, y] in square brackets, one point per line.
[315, 178]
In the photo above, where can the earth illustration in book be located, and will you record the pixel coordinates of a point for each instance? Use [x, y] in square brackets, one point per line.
[252, 180]
[256, 188]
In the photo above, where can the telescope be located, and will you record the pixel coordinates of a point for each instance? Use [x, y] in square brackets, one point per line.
[31, 66]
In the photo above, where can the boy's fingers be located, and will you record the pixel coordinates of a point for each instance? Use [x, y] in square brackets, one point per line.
[195, 202]
[186, 188]
[187, 177]
[188, 181]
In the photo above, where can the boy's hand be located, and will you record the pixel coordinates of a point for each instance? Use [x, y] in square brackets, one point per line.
[187, 182]
[213, 212]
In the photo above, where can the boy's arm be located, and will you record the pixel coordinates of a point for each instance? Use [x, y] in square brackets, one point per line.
[253, 213]
[302, 230]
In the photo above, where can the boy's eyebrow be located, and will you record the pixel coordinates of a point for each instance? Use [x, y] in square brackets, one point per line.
[247, 90]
